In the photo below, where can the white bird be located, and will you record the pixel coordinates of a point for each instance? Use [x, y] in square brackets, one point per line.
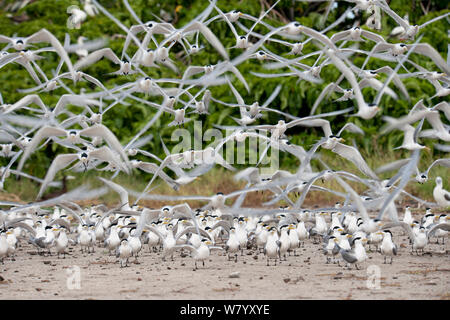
[365, 111]
[408, 32]
[357, 255]
[388, 248]
[271, 249]
[124, 252]
[202, 252]
[20, 43]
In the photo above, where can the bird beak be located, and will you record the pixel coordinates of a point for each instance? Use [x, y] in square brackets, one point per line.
[364, 240]
[208, 243]
[340, 230]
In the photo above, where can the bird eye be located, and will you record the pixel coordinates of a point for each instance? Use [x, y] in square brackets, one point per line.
[150, 25]
[297, 24]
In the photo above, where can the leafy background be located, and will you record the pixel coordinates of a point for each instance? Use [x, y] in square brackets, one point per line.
[296, 97]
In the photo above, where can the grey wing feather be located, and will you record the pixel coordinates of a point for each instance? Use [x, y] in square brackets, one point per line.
[348, 256]
[224, 224]
[60, 222]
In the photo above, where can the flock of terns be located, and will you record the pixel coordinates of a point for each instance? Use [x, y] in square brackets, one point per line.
[344, 230]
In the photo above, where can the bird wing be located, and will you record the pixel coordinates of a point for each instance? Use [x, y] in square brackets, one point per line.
[193, 230]
[352, 154]
[348, 256]
[43, 133]
[25, 101]
[224, 224]
[74, 99]
[93, 57]
[99, 130]
[427, 50]
[106, 154]
[23, 225]
[443, 162]
[207, 33]
[392, 166]
[186, 246]
[402, 22]
[60, 222]
[325, 124]
[320, 37]
[433, 229]
[349, 75]
[351, 127]
[339, 36]
[60, 162]
[377, 85]
[45, 36]
[372, 36]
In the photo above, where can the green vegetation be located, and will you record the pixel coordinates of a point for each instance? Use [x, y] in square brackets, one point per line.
[296, 97]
